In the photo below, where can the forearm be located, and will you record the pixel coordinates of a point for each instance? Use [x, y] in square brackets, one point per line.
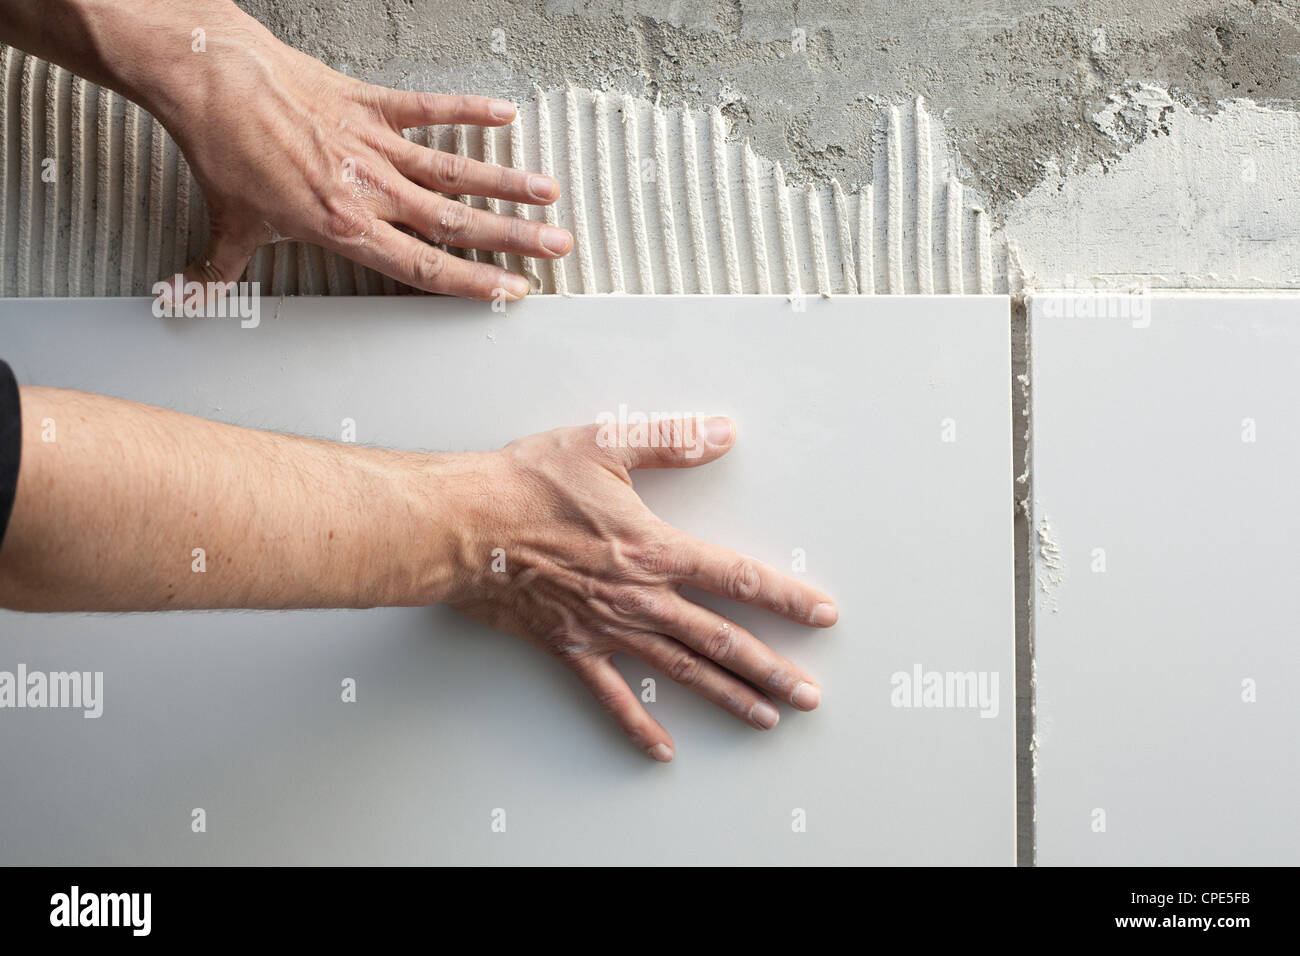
[144, 49]
[132, 507]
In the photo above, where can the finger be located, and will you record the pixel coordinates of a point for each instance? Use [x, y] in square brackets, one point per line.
[691, 669]
[667, 442]
[426, 267]
[738, 577]
[444, 220]
[728, 645]
[223, 261]
[606, 684]
[406, 108]
[452, 173]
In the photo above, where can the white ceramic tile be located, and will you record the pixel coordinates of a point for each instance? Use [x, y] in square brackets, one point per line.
[843, 412]
[1166, 449]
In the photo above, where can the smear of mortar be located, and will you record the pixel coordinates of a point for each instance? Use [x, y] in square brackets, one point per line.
[1200, 201]
[1050, 570]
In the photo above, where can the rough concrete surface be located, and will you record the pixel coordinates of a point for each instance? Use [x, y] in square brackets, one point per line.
[1015, 81]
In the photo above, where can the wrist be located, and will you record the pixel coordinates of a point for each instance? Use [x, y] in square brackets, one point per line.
[423, 540]
[170, 57]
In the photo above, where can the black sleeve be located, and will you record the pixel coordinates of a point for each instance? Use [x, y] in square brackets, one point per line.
[11, 444]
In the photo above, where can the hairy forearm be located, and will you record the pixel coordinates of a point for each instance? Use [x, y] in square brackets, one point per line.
[122, 507]
[147, 50]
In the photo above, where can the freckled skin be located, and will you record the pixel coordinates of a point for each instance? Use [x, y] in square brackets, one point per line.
[283, 147]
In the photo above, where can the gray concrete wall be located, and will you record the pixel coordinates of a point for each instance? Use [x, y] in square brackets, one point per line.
[1054, 146]
[1052, 114]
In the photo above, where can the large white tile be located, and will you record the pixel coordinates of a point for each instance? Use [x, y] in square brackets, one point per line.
[843, 412]
[1166, 450]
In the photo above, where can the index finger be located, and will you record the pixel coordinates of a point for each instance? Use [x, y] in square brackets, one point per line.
[739, 577]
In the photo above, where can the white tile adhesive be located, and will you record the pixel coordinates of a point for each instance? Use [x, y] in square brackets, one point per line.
[1203, 201]
[95, 199]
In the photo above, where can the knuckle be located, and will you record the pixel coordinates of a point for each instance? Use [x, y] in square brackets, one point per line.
[426, 104]
[608, 630]
[790, 605]
[721, 643]
[358, 174]
[389, 105]
[460, 109]
[670, 435]
[455, 224]
[686, 667]
[429, 267]
[450, 170]
[656, 558]
[780, 682]
[345, 220]
[742, 581]
[635, 603]
[566, 647]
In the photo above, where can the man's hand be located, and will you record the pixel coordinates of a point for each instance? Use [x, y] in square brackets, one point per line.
[138, 508]
[286, 148]
[589, 572]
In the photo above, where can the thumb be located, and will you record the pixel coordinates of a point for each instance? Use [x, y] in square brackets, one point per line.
[224, 260]
[669, 442]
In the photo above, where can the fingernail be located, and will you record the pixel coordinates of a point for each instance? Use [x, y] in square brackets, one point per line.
[502, 109]
[824, 615]
[516, 285]
[661, 752]
[543, 187]
[717, 431]
[806, 696]
[764, 714]
[555, 240]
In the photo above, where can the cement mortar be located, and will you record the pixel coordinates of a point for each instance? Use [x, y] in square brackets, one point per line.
[1015, 82]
